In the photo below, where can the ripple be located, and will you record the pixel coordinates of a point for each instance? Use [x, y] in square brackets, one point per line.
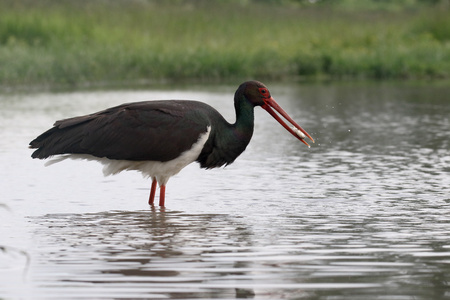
[163, 253]
[363, 214]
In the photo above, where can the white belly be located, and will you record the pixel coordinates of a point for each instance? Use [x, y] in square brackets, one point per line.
[162, 171]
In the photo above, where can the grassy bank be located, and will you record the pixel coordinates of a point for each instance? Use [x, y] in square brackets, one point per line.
[78, 42]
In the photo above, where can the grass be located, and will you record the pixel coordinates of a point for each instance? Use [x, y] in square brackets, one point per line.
[82, 42]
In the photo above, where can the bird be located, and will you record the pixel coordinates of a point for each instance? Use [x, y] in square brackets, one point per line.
[161, 137]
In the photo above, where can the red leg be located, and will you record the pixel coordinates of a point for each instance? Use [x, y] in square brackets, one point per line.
[162, 195]
[151, 199]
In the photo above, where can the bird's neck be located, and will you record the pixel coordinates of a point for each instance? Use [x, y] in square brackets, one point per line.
[228, 141]
[241, 131]
[243, 127]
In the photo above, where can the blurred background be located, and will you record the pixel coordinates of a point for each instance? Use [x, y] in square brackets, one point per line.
[104, 42]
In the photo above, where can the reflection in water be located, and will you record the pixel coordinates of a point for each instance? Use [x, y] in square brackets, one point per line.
[160, 254]
[156, 254]
[363, 214]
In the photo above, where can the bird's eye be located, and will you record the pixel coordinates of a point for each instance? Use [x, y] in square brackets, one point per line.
[264, 92]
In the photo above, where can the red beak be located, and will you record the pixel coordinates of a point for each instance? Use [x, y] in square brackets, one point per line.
[296, 130]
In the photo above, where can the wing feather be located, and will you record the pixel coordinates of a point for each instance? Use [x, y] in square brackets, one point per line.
[152, 130]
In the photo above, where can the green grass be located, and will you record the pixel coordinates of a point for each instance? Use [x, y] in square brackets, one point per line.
[81, 42]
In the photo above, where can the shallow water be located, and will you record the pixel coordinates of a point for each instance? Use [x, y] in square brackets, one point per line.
[363, 214]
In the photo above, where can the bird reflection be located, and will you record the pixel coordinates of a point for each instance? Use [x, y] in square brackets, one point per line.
[168, 253]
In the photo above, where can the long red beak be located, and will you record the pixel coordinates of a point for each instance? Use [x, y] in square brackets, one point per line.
[296, 130]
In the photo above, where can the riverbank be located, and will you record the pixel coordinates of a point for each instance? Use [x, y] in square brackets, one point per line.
[82, 42]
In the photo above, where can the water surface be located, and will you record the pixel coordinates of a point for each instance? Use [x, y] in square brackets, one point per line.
[363, 214]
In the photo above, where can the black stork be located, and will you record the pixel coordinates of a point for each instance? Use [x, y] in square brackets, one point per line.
[159, 138]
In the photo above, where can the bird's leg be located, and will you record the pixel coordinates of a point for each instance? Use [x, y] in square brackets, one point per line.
[151, 199]
[162, 195]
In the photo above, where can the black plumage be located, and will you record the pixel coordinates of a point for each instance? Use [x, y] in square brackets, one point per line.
[161, 131]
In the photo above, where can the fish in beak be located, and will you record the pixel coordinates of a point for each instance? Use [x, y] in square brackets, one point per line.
[270, 105]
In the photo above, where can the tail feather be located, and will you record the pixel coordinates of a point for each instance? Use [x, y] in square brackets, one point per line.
[54, 141]
[65, 137]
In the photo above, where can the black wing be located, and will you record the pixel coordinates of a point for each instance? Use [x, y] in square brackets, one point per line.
[153, 130]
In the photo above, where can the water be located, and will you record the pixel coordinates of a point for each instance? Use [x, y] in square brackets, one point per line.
[363, 214]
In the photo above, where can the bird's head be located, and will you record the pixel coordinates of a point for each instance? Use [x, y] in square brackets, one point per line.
[258, 94]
